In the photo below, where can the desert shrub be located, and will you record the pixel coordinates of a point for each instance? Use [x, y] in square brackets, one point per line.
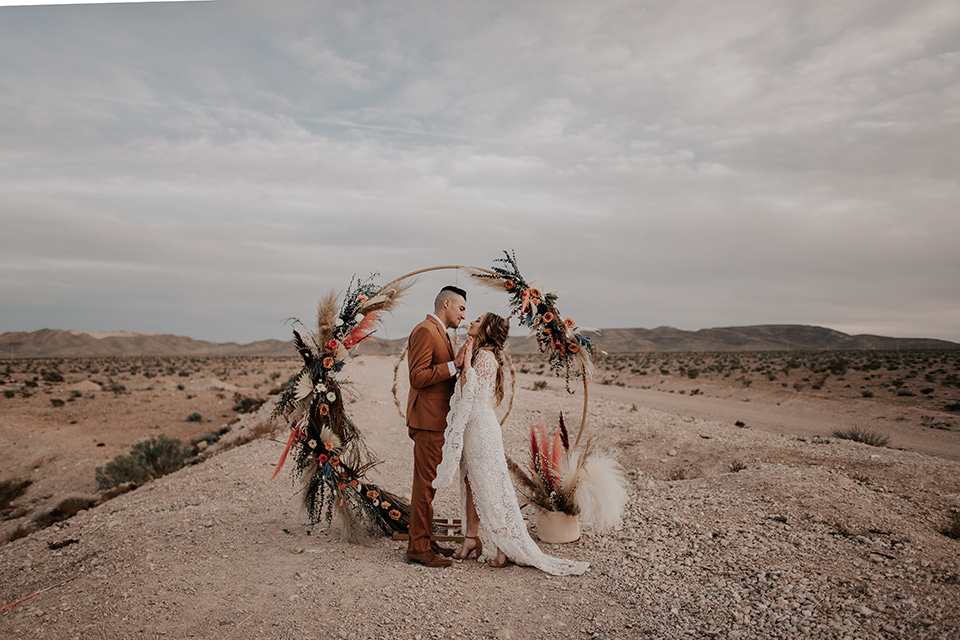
[952, 528]
[117, 389]
[539, 385]
[57, 402]
[10, 490]
[68, 506]
[952, 406]
[926, 391]
[246, 404]
[866, 393]
[123, 468]
[737, 465]
[20, 531]
[51, 375]
[148, 459]
[864, 436]
[9, 393]
[194, 417]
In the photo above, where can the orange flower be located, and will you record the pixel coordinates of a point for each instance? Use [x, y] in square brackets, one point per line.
[328, 445]
[372, 495]
[324, 410]
[546, 330]
[343, 474]
[547, 317]
[348, 342]
[341, 486]
[361, 298]
[333, 345]
[328, 363]
[573, 347]
[509, 285]
[570, 323]
[534, 293]
[353, 483]
[394, 514]
[334, 461]
[385, 505]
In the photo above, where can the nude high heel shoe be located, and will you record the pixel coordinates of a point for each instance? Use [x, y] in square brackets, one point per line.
[476, 549]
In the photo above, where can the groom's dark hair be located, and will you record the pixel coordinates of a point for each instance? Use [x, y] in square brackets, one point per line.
[457, 290]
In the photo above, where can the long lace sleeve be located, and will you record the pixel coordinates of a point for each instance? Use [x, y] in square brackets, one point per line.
[468, 398]
[461, 405]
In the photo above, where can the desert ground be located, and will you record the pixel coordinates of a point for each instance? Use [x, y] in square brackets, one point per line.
[747, 517]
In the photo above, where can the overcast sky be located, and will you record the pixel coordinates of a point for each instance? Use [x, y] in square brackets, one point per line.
[211, 168]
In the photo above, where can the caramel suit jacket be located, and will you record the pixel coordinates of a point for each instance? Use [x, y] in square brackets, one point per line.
[431, 384]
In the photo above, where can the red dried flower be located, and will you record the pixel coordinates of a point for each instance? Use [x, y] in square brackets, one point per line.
[333, 345]
[321, 458]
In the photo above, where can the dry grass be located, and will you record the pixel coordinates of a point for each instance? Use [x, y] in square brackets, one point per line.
[864, 436]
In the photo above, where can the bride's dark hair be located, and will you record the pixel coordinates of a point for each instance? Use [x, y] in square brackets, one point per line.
[492, 336]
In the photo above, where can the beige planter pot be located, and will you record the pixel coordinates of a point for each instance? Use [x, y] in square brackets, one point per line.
[557, 527]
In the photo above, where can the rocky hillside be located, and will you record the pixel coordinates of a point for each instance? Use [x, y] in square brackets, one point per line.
[52, 343]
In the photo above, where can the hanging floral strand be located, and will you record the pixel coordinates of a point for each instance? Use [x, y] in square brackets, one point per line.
[331, 456]
[561, 339]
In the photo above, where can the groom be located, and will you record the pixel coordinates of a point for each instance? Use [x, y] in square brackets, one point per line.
[433, 368]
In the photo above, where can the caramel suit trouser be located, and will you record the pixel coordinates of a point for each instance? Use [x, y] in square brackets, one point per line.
[427, 453]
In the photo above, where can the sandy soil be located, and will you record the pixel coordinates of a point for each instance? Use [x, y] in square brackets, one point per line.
[813, 537]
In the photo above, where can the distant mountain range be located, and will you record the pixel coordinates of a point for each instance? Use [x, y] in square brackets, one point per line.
[53, 343]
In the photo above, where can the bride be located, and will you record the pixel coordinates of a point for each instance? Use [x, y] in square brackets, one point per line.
[473, 444]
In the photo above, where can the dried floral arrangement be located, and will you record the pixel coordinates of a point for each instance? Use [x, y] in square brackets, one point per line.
[568, 349]
[577, 481]
[328, 448]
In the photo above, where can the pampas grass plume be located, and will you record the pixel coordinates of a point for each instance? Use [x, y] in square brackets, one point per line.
[602, 492]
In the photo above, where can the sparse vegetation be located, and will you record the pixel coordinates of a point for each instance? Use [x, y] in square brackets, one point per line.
[952, 528]
[737, 465]
[194, 417]
[148, 459]
[10, 490]
[66, 507]
[864, 436]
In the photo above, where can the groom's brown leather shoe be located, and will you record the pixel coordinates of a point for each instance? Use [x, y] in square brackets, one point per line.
[429, 559]
[443, 551]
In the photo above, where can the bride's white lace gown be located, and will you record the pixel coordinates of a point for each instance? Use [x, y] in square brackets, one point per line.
[473, 445]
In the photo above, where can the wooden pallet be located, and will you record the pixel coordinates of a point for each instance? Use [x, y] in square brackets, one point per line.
[449, 524]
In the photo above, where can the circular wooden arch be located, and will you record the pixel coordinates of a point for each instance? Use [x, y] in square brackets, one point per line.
[469, 269]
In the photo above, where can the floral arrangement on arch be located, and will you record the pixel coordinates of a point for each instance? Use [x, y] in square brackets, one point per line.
[330, 454]
[561, 339]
